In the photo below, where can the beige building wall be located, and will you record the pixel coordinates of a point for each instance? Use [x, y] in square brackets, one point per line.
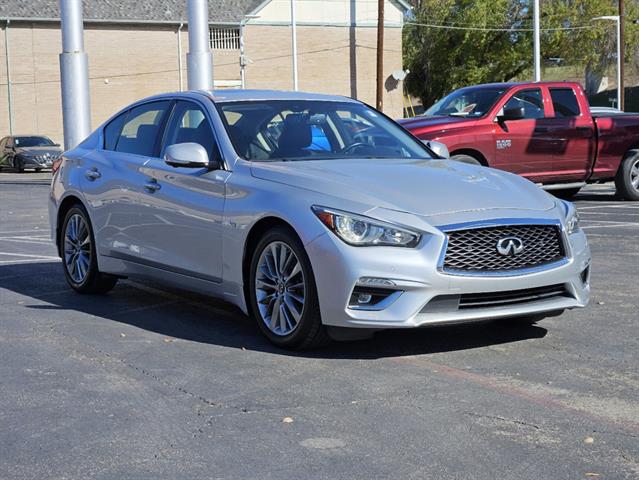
[129, 62]
[126, 63]
[336, 60]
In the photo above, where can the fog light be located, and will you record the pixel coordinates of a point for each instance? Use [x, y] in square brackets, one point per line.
[372, 298]
[364, 298]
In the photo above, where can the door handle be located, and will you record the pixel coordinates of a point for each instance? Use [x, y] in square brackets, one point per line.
[541, 130]
[92, 174]
[152, 186]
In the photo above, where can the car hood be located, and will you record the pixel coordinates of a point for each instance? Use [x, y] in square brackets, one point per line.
[422, 187]
[437, 121]
[33, 151]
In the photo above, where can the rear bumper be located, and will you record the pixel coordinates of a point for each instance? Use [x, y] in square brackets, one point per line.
[338, 268]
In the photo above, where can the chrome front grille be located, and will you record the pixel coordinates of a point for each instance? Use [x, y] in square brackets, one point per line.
[475, 249]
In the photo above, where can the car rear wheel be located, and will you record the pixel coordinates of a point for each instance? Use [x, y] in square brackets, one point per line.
[282, 291]
[79, 254]
[627, 179]
[460, 157]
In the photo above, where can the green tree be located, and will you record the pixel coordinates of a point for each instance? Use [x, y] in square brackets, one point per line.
[443, 59]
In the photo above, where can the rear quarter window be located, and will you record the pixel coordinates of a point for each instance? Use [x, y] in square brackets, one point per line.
[112, 131]
[564, 102]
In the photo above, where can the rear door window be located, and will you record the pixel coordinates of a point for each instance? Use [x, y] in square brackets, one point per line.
[564, 102]
[142, 128]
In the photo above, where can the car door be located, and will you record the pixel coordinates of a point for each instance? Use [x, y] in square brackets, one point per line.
[6, 152]
[3, 145]
[524, 146]
[185, 206]
[573, 134]
[113, 185]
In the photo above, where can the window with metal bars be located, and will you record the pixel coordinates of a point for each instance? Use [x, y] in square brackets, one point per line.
[224, 38]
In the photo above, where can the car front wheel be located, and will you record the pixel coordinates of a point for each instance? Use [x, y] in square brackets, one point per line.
[79, 258]
[283, 295]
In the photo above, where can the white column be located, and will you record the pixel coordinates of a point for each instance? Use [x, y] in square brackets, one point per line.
[199, 59]
[74, 75]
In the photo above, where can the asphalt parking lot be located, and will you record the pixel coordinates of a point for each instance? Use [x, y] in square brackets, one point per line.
[147, 382]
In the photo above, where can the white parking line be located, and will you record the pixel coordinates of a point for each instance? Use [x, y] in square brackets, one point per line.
[31, 260]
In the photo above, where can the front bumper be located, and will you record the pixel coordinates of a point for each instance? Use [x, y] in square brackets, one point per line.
[36, 164]
[338, 268]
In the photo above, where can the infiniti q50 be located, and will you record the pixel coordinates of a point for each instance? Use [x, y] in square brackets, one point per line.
[317, 215]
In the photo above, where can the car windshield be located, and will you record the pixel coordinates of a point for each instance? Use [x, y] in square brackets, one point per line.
[33, 142]
[467, 102]
[275, 130]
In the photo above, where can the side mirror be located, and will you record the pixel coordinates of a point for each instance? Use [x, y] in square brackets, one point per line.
[189, 155]
[516, 113]
[438, 148]
[56, 144]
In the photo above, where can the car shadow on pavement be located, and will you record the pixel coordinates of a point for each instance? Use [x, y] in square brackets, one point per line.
[41, 289]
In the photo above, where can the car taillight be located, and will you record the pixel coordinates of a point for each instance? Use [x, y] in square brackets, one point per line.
[56, 164]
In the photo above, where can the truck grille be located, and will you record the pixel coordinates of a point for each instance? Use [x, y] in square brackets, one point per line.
[475, 249]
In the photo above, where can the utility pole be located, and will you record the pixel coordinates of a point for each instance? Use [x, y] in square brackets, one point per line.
[622, 53]
[379, 103]
[199, 60]
[536, 42]
[74, 75]
[294, 44]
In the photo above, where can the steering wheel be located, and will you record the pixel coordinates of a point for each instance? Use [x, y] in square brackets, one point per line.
[355, 145]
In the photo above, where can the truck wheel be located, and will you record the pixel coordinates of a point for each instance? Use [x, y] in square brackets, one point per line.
[460, 157]
[566, 193]
[627, 179]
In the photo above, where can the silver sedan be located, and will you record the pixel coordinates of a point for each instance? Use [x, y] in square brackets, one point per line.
[317, 215]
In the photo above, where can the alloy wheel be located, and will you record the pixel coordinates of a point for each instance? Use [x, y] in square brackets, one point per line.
[77, 248]
[280, 288]
[634, 175]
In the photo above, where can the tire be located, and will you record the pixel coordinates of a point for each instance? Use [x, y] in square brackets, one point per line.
[461, 157]
[38, 170]
[19, 166]
[566, 193]
[297, 325]
[627, 179]
[79, 259]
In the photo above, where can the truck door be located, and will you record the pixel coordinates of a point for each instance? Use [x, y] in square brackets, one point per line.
[573, 132]
[523, 145]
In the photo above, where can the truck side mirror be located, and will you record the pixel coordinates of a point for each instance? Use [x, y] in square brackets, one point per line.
[516, 113]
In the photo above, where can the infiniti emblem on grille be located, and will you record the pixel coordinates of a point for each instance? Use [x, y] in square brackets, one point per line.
[510, 246]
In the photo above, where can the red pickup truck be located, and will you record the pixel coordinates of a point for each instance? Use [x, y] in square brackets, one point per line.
[543, 131]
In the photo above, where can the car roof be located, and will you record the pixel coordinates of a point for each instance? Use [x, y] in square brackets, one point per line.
[242, 95]
[233, 95]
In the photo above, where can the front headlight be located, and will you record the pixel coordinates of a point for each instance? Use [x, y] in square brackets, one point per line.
[572, 218]
[362, 231]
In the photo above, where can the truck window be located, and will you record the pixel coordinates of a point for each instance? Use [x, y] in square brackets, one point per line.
[564, 102]
[531, 100]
